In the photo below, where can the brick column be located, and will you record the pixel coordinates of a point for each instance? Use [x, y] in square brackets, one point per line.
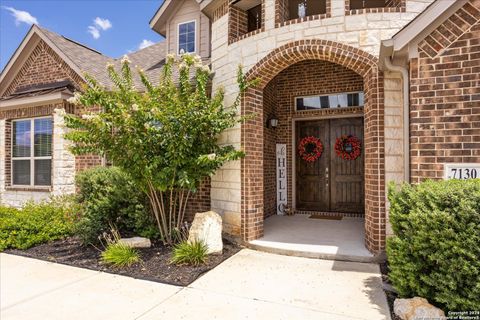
[265, 70]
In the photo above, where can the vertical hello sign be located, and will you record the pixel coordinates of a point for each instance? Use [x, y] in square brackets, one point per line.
[281, 178]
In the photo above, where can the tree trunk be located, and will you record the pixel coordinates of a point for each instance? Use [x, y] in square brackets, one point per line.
[169, 211]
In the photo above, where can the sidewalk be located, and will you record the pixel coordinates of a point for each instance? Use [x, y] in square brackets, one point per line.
[249, 285]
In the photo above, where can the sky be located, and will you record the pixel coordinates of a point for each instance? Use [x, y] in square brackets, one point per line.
[112, 27]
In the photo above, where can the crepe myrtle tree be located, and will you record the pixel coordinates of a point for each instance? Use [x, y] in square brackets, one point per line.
[164, 137]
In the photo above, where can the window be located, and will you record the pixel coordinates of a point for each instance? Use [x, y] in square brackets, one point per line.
[303, 8]
[338, 100]
[363, 4]
[186, 37]
[254, 16]
[245, 18]
[32, 152]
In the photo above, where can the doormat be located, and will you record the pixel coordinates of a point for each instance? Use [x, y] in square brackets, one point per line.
[326, 217]
[344, 214]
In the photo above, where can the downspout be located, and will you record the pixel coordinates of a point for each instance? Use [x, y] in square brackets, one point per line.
[406, 115]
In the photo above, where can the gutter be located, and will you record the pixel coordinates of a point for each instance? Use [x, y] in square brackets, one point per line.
[406, 114]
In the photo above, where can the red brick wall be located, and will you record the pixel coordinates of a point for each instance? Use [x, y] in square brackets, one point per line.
[309, 77]
[238, 23]
[445, 96]
[199, 201]
[252, 140]
[220, 11]
[270, 101]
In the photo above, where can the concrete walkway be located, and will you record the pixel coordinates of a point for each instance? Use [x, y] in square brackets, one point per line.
[249, 285]
[300, 236]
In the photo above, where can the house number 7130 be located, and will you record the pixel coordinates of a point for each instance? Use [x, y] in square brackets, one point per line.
[462, 171]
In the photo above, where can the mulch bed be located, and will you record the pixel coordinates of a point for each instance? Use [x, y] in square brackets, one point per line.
[391, 296]
[155, 264]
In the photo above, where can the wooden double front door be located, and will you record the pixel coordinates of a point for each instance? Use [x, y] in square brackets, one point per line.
[330, 183]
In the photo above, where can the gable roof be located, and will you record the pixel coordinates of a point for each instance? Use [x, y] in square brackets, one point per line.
[87, 60]
[81, 58]
[404, 44]
[23, 52]
[165, 11]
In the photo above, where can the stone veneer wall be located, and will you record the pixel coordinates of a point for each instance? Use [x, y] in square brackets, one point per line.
[394, 134]
[363, 31]
[445, 96]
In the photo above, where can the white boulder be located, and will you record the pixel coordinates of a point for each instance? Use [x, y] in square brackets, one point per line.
[416, 308]
[207, 228]
[136, 242]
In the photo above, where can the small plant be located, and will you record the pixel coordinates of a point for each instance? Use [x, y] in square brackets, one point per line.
[192, 253]
[120, 255]
[116, 253]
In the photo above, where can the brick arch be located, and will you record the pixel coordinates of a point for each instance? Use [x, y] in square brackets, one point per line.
[361, 62]
[282, 57]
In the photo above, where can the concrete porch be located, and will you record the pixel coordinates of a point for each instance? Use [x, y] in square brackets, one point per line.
[298, 235]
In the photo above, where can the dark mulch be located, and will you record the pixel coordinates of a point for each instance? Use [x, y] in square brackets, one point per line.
[391, 296]
[155, 264]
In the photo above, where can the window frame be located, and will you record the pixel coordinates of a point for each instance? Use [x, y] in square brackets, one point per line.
[329, 94]
[195, 35]
[32, 157]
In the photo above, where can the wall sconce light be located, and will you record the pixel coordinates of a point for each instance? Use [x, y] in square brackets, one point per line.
[272, 122]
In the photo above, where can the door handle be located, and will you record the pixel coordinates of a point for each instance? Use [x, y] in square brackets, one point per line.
[326, 177]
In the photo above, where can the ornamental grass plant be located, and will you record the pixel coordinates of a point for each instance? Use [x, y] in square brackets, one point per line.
[120, 255]
[191, 253]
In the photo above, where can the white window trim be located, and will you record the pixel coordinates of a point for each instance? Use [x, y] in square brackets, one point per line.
[32, 157]
[195, 37]
[328, 94]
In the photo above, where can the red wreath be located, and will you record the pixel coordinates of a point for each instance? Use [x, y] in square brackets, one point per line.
[348, 147]
[310, 149]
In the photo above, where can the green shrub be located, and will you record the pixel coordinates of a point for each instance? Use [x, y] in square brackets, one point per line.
[36, 223]
[435, 252]
[193, 253]
[120, 255]
[109, 197]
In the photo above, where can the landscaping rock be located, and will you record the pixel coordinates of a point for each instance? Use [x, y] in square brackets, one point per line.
[207, 227]
[136, 242]
[416, 308]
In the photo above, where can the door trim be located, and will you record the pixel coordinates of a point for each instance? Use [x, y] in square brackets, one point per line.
[293, 124]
